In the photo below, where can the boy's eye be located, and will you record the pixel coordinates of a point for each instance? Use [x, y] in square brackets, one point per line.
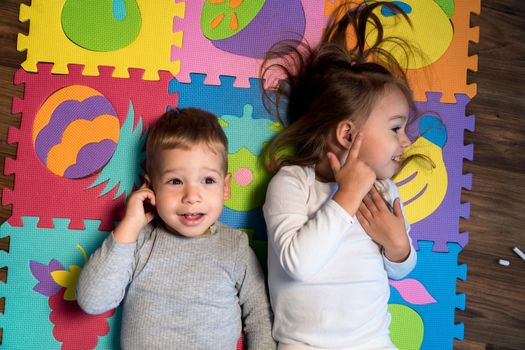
[174, 182]
[209, 180]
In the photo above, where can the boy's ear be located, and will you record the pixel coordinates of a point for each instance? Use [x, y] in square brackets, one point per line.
[345, 133]
[227, 186]
[147, 181]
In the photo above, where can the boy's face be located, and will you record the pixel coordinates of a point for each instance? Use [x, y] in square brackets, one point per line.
[190, 188]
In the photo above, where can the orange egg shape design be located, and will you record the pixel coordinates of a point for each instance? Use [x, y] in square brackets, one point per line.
[75, 132]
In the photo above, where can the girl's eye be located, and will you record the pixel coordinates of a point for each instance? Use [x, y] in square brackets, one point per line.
[209, 180]
[396, 129]
[175, 182]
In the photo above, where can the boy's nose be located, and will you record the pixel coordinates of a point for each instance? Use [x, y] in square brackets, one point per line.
[191, 194]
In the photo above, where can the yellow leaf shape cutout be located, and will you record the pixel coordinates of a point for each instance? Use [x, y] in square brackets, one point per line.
[68, 279]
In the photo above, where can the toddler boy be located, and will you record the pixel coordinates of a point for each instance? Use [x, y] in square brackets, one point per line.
[186, 281]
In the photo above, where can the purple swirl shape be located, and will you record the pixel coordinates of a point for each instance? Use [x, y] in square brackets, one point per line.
[63, 115]
[91, 158]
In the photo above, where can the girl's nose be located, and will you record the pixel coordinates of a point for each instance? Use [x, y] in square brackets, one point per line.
[404, 141]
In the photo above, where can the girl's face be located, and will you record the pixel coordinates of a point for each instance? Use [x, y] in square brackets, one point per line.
[384, 133]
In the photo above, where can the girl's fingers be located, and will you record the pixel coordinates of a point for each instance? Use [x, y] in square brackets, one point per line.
[334, 162]
[362, 219]
[355, 147]
[397, 208]
[376, 197]
[369, 203]
[364, 211]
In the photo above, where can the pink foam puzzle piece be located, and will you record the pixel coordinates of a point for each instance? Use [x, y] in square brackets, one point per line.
[40, 193]
[199, 55]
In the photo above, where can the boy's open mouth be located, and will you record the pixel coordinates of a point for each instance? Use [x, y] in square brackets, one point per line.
[191, 216]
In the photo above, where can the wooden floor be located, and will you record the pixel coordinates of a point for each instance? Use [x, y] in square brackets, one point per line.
[495, 314]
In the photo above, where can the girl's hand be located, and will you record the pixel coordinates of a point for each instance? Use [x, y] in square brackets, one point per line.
[354, 177]
[385, 227]
[138, 215]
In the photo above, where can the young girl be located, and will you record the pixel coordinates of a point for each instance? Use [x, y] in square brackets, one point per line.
[336, 230]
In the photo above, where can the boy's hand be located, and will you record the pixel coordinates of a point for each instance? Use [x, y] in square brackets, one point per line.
[385, 227]
[137, 215]
[354, 177]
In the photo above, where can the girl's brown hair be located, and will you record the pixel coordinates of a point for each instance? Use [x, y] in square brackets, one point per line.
[332, 82]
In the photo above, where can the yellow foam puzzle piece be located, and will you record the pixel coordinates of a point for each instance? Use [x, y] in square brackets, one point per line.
[151, 50]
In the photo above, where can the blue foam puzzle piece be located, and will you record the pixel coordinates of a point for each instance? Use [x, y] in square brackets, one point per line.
[223, 99]
[438, 273]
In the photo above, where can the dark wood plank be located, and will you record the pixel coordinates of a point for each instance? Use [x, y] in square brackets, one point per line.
[495, 313]
[10, 60]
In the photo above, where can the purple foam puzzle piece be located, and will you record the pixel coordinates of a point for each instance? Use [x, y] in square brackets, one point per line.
[442, 226]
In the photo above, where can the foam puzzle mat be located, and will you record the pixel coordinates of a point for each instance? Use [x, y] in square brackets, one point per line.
[98, 74]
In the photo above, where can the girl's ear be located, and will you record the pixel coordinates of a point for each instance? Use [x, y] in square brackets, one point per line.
[345, 133]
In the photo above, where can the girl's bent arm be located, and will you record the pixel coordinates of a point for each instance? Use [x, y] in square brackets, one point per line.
[398, 270]
[305, 228]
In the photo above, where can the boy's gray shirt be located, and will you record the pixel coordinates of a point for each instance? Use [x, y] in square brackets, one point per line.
[179, 292]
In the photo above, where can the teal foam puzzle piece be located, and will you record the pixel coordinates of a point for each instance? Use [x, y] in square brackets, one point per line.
[26, 322]
[247, 131]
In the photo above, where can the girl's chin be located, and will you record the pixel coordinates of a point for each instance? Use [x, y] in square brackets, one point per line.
[384, 175]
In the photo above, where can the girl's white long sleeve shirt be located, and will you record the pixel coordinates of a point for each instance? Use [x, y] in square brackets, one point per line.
[328, 279]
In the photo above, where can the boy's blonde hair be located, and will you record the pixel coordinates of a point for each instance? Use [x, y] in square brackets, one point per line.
[183, 129]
